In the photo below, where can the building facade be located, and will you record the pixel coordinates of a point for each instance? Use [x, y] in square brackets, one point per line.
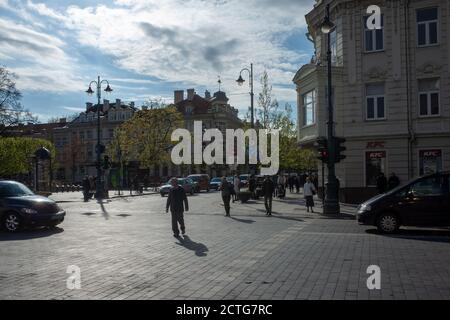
[391, 90]
[75, 142]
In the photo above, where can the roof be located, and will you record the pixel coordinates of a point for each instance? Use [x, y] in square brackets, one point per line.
[200, 105]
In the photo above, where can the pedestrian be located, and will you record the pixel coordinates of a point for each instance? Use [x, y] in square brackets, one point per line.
[268, 188]
[393, 181]
[309, 191]
[252, 185]
[86, 188]
[175, 200]
[381, 183]
[297, 184]
[92, 186]
[237, 187]
[291, 184]
[226, 189]
[281, 192]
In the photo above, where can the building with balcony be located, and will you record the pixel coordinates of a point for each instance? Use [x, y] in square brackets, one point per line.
[390, 90]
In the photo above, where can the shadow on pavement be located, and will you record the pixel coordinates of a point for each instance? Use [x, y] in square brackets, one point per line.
[199, 248]
[104, 212]
[441, 235]
[30, 234]
[243, 220]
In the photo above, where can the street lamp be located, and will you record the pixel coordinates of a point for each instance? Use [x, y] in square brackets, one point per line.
[240, 81]
[98, 149]
[331, 205]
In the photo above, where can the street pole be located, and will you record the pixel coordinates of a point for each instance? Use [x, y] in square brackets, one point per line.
[331, 205]
[99, 170]
[251, 97]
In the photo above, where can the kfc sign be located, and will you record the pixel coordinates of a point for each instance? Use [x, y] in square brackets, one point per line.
[375, 144]
[430, 153]
[377, 154]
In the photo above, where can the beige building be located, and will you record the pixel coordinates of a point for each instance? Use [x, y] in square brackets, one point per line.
[391, 90]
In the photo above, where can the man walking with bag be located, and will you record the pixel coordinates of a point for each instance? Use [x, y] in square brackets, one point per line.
[268, 187]
[175, 200]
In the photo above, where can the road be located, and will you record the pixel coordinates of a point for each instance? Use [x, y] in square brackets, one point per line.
[125, 249]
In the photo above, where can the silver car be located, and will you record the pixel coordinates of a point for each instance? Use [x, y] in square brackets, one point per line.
[186, 183]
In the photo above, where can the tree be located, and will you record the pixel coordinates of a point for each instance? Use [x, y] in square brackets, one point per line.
[146, 137]
[72, 154]
[16, 155]
[11, 110]
[292, 157]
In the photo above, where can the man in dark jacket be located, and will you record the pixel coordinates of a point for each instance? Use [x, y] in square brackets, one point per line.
[268, 188]
[393, 181]
[381, 183]
[175, 200]
[226, 189]
[86, 188]
[252, 185]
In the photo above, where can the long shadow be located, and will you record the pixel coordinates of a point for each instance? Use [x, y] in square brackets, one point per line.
[417, 234]
[243, 220]
[199, 248]
[28, 234]
[104, 212]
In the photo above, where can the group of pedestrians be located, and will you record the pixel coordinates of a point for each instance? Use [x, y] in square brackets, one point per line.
[384, 184]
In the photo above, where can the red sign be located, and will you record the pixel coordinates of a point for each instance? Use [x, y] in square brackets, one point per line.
[375, 144]
[377, 154]
[430, 153]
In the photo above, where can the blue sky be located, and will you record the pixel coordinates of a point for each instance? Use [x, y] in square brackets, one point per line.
[149, 48]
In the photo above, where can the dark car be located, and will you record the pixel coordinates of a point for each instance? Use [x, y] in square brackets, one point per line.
[424, 201]
[202, 181]
[187, 184]
[20, 207]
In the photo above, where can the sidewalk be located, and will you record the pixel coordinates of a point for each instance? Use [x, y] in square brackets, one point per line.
[77, 196]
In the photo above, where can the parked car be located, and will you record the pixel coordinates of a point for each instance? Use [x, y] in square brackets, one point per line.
[202, 180]
[423, 201]
[187, 184]
[20, 208]
[214, 184]
[244, 180]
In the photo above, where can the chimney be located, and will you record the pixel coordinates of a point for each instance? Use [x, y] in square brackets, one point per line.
[62, 120]
[178, 95]
[118, 103]
[105, 105]
[207, 95]
[88, 106]
[190, 94]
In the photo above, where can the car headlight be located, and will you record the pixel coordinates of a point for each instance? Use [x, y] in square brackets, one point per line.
[364, 208]
[29, 211]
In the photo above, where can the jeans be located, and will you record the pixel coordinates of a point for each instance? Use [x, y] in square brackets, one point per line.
[177, 218]
[268, 204]
[226, 202]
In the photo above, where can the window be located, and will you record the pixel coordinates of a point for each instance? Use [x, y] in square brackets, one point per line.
[375, 164]
[309, 108]
[89, 134]
[427, 27]
[430, 161]
[373, 39]
[429, 97]
[375, 106]
[432, 186]
[333, 46]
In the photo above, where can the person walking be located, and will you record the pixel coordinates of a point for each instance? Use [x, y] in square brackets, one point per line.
[226, 189]
[92, 187]
[237, 187]
[268, 188]
[281, 182]
[252, 185]
[309, 190]
[175, 200]
[297, 184]
[381, 183]
[86, 188]
[291, 184]
[393, 181]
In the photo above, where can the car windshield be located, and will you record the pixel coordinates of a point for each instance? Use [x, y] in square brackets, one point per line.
[216, 180]
[195, 178]
[243, 177]
[14, 189]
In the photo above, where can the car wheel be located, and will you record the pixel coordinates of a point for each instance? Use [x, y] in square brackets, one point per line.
[192, 192]
[162, 194]
[207, 190]
[388, 223]
[12, 222]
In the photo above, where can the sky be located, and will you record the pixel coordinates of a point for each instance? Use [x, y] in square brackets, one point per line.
[146, 49]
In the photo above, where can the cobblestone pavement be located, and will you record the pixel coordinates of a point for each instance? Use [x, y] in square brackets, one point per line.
[125, 250]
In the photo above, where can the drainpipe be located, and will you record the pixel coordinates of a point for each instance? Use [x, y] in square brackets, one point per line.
[411, 137]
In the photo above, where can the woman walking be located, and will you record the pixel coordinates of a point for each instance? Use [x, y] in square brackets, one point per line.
[309, 191]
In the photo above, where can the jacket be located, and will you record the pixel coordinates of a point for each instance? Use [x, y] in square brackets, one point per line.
[175, 200]
[268, 187]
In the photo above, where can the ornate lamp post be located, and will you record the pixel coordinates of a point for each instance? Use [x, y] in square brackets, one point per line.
[98, 148]
[331, 205]
[240, 81]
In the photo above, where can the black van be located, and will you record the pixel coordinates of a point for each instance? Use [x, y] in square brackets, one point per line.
[423, 202]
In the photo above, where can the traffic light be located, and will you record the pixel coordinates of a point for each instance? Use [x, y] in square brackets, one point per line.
[338, 149]
[106, 163]
[322, 148]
